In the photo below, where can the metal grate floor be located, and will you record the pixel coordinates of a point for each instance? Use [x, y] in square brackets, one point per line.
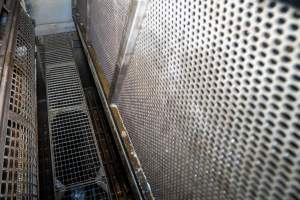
[76, 162]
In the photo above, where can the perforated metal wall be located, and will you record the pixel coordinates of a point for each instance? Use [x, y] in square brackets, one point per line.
[19, 164]
[211, 99]
[106, 29]
[77, 165]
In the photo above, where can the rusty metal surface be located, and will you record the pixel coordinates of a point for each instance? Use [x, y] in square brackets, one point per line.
[107, 26]
[102, 86]
[8, 36]
[210, 98]
[131, 153]
[18, 165]
[115, 171]
[6, 32]
[46, 191]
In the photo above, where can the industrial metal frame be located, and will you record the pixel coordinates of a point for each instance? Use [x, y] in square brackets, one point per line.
[18, 163]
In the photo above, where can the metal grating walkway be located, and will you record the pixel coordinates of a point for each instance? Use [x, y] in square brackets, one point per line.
[76, 162]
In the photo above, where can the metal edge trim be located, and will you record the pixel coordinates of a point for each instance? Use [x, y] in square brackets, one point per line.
[93, 61]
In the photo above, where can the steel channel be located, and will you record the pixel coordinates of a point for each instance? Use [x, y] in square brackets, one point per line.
[101, 84]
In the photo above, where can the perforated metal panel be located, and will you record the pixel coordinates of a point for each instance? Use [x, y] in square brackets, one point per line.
[77, 165]
[211, 99]
[19, 164]
[106, 29]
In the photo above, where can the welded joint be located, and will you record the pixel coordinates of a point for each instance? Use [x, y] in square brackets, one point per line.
[137, 13]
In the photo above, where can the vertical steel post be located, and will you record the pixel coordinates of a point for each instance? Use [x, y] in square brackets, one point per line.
[137, 13]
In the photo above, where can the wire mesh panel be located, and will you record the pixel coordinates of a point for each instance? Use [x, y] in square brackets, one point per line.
[56, 42]
[19, 164]
[211, 99]
[106, 29]
[77, 166]
[75, 153]
[56, 49]
[64, 86]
